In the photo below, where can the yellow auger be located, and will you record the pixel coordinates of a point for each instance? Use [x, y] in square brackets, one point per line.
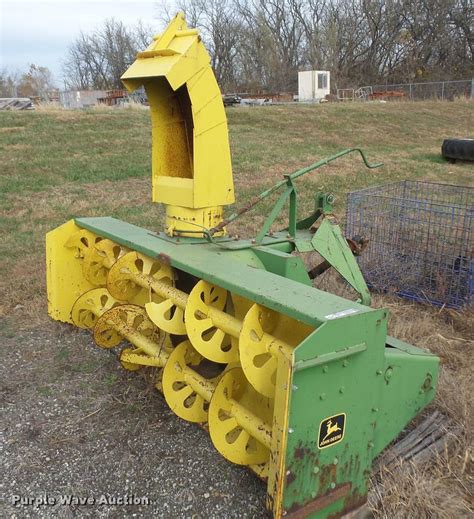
[302, 386]
[187, 391]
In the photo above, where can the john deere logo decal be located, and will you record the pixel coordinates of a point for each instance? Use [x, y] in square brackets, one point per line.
[331, 430]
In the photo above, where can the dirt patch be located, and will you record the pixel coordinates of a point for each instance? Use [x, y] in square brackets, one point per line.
[12, 129]
[76, 423]
[18, 147]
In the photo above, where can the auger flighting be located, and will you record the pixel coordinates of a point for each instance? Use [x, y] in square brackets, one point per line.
[302, 386]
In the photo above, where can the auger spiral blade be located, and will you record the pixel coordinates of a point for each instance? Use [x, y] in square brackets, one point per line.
[135, 275]
[167, 316]
[133, 272]
[82, 241]
[239, 420]
[98, 259]
[213, 332]
[187, 392]
[260, 345]
[130, 322]
[90, 306]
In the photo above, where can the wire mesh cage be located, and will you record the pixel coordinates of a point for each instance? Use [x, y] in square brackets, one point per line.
[421, 242]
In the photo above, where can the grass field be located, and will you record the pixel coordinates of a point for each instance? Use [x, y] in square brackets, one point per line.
[59, 164]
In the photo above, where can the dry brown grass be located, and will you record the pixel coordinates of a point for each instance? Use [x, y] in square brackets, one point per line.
[49, 106]
[442, 487]
[267, 142]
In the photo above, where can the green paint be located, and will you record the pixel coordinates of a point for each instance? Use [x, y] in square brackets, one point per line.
[347, 367]
[242, 272]
[347, 376]
[332, 246]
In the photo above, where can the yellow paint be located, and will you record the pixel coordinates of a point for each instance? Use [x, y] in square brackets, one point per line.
[184, 221]
[129, 366]
[276, 466]
[130, 322]
[240, 420]
[98, 260]
[136, 272]
[65, 279]
[137, 359]
[266, 334]
[191, 164]
[90, 306]
[185, 390]
[208, 325]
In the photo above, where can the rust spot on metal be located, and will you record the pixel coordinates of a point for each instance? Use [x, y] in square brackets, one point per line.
[303, 452]
[290, 478]
[327, 475]
[164, 258]
[299, 453]
[254, 201]
[321, 502]
[352, 505]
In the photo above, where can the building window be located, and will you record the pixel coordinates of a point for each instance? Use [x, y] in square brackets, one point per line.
[322, 81]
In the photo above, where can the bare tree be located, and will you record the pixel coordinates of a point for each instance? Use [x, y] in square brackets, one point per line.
[220, 27]
[261, 44]
[97, 60]
[9, 80]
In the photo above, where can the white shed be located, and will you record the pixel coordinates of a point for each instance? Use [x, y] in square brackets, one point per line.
[313, 85]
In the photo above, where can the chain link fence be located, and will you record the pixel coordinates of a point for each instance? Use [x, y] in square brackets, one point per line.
[444, 90]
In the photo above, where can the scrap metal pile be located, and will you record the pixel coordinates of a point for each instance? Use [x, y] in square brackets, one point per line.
[300, 385]
[16, 103]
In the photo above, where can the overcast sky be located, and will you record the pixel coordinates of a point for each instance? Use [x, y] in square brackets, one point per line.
[36, 31]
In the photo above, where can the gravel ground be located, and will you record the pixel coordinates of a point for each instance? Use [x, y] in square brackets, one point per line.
[74, 423]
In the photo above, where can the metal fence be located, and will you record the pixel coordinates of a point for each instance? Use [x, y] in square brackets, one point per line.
[421, 242]
[430, 90]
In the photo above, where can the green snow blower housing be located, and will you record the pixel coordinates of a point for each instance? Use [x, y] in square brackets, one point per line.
[306, 388]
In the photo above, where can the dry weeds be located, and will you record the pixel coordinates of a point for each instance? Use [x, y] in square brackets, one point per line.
[440, 488]
[49, 106]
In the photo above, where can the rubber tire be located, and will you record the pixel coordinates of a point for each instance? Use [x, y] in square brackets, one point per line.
[458, 149]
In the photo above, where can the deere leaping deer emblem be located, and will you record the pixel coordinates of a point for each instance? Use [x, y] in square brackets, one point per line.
[331, 430]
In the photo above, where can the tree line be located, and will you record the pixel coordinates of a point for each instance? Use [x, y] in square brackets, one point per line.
[264, 43]
[260, 45]
[36, 81]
